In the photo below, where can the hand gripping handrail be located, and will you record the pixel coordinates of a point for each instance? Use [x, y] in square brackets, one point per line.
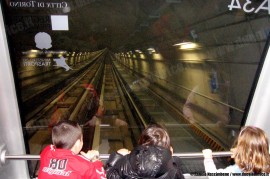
[5, 156]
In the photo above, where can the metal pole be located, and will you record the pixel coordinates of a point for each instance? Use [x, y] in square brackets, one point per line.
[106, 156]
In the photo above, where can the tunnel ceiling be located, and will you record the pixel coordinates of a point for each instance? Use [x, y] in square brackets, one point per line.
[120, 25]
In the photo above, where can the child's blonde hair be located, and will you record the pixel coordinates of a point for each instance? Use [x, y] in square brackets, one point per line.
[251, 153]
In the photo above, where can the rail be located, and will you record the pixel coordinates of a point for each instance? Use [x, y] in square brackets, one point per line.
[126, 91]
[5, 156]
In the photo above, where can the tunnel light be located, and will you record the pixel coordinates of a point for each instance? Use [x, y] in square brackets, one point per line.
[34, 51]
[62, 52]
[32, 55]
[151, 50]
[142, 56]
[157, 56]
[187, 45]
[138, 51]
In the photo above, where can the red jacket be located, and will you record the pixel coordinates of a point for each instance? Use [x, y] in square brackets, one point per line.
[64, 164]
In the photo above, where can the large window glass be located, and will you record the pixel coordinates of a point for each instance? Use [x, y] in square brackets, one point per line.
[117, 66]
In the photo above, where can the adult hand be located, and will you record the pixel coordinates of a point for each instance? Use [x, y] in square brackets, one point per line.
[92, 155]
[233, 150]
[207, 153]
[123, 151]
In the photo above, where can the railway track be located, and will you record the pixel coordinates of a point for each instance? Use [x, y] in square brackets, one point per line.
[130, 104]
[77, 102]
[159, 108]
[40, 89]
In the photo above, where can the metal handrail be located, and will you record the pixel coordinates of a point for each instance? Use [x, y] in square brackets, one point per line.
[106, 156]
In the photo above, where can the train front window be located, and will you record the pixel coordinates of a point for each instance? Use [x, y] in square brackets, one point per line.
[117, 66]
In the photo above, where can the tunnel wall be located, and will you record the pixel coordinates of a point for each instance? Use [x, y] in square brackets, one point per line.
[223, 69]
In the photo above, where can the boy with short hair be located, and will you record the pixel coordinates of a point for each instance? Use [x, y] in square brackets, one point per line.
[61, 160]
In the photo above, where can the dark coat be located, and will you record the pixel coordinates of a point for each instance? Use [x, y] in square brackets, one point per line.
[143, 162]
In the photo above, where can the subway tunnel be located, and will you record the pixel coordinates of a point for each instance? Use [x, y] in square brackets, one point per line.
[117, 66]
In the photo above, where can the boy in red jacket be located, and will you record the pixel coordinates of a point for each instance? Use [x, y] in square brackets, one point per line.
[62, 160]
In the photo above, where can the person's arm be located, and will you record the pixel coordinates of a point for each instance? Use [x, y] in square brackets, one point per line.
[112, 164]
[100, 171]
[95, 171]
[177, 165]
[209, 164]
[114, 157]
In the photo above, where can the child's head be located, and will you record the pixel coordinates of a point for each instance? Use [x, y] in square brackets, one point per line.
[251, 153]
[155, 135]
[67, 135]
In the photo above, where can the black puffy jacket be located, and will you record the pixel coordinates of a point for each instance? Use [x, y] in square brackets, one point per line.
[143, 162]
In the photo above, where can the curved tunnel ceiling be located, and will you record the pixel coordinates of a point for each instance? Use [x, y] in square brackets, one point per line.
[120, 25]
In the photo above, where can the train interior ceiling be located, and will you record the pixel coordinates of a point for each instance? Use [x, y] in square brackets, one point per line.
[117, 66]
